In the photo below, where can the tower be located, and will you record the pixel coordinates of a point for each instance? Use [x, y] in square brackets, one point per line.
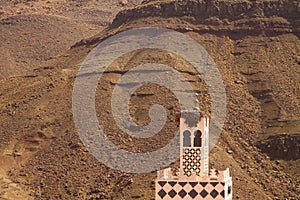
[194, 180]
[194, 145]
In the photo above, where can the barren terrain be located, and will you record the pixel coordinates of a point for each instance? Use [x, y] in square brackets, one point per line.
[256, 48]
[32, 32]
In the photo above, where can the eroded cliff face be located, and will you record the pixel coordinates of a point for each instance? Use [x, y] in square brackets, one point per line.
[269, 17]
[235, 19]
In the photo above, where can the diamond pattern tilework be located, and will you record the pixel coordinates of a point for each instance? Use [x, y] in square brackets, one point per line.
[209, 188]
[172, 193]
[222, 193]
[182, 184]
[214, 193]
[162, 193]
[177, 187]
[168, 188]
[214, 183]
[182, 193]
[172, 183]
[198, 188]
[219, 187]
[162, 183]
[181, 190]
[188, 187]
[203, 183]
[193, 184]
[193, 193]
[203, 193]
[191, 161]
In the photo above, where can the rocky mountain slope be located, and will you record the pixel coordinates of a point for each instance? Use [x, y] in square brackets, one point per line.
[29, 40]
[32, 32]
[256, 48]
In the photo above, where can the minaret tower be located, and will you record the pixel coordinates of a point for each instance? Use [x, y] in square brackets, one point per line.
[194, 145]
[195, 180]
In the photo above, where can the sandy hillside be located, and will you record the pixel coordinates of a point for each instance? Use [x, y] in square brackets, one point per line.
[32, 32]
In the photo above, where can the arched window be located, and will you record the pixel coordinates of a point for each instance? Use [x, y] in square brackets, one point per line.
[197, 138]
[187, 138]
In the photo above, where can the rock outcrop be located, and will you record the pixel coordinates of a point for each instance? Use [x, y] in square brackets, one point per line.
[277, 16]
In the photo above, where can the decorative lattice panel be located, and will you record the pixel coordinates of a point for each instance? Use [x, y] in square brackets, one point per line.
[189, 190]
[191, 161]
